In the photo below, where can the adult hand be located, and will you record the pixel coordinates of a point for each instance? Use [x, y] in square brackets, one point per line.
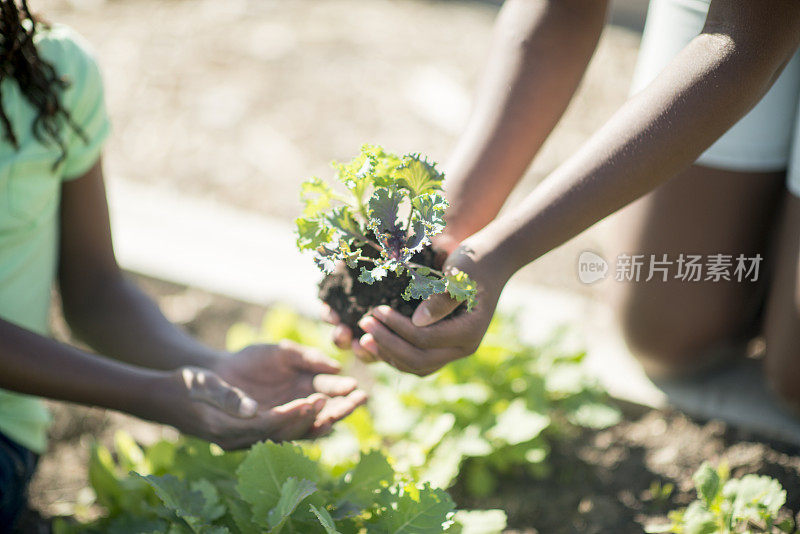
[273, 375]
[427, 341]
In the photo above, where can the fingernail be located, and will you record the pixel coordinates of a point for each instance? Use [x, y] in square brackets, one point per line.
[367, 324]
[422, 316]
[368, 343]
[381, 312]
[248, 407]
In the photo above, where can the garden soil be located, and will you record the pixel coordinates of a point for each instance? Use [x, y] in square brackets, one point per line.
[598, 482]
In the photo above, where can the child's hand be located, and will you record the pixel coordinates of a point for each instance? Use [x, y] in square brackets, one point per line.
[444, 244]
[343, 336]
[275, 392]
[277, 374]
[429, 340]
[204, 405]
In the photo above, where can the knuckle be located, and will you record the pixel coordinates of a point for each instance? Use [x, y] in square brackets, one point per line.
[418, 366]
[288, 345]
[422, 338]
[230, 399]
[214, 429]
[470, 347]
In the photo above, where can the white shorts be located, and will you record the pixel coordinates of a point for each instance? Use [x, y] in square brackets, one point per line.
[765, 140]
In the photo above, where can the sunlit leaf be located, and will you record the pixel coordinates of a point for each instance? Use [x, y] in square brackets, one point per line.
[462, 288]
[418, 175]
[422, 287]
[518, 424]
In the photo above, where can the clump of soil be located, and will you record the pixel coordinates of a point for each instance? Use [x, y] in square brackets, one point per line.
[351, 299]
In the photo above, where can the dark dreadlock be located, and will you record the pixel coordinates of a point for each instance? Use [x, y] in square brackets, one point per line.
[37, 79]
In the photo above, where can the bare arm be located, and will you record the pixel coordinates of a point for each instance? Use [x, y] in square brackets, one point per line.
[539, 53]
[710, 85]
[102, 307]
[295, 388]
[36, 365]
[194, 400]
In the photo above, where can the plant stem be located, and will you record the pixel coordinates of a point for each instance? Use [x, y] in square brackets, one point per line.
[362, 209]
[369, 242]
[413, 265]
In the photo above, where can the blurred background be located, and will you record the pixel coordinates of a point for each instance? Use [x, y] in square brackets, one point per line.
[240, 101]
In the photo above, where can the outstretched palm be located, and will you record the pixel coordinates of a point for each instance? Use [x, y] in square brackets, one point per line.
[274, 375]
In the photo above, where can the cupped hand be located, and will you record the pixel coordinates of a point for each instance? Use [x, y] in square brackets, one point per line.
[430, 339]
[198, 402]
[342, 335]
[276, 376]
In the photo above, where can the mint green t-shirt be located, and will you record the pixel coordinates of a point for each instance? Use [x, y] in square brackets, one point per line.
[30, 195]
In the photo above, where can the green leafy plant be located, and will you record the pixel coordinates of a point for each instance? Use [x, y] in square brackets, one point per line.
[390, 209]
[498, 410]
[191, 486]
[724, 505]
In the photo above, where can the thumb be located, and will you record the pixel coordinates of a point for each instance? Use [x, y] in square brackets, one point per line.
[435, 308]
[207, 387]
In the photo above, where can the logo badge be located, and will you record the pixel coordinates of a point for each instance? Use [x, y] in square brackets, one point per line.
[591, 267]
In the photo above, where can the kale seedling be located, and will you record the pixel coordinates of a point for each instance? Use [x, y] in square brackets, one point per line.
[726, 505]
[390, 209]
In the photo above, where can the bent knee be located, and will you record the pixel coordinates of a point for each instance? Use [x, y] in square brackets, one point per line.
[670, 347]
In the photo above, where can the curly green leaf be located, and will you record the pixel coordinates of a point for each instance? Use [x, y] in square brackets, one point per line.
[317, 196]
[418, 175]
[462, 288]
[373, 275]
[423, 286]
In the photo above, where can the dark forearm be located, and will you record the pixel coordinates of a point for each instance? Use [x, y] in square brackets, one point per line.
[36, 365]
[103, 308]
[115, 318]
[705, 90]
[539, 54]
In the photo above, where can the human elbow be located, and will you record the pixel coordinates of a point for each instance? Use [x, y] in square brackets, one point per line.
[759, 51]
[82, 302]
[743, 65]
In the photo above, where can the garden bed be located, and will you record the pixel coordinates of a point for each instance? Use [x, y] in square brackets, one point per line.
[608, 480]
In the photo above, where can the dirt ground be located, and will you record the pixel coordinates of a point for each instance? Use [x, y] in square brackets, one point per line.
[600, 480]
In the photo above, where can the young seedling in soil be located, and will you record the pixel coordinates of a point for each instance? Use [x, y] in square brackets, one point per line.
[727, 505]
[373, 241]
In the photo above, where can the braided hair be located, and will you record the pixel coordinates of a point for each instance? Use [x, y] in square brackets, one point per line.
[37, 79]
